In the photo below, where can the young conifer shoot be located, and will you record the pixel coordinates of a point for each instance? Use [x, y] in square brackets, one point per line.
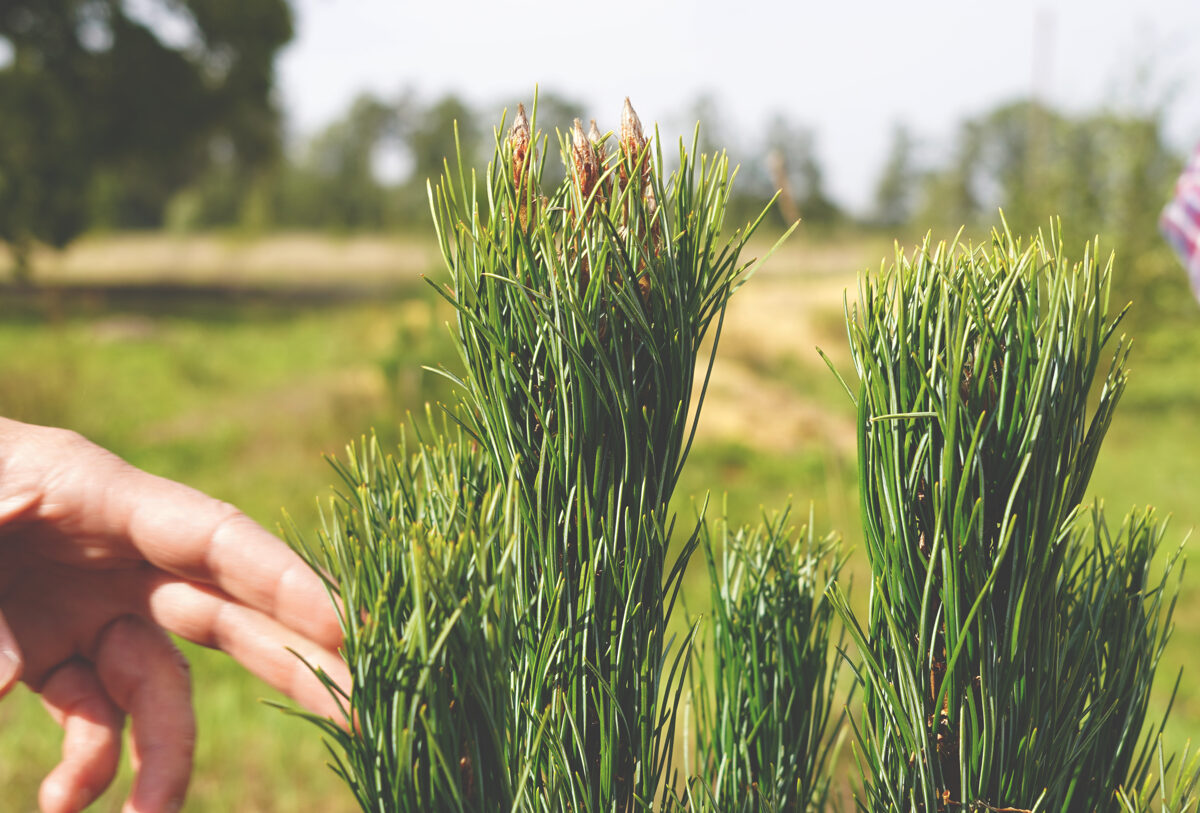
[766, 672]
[505, 588]
[1013, 634]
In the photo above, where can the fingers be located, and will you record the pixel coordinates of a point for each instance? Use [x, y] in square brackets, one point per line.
[259, 643]
[258, 569]
[100, 507]
[11, 663]
[196, 537]
[62, 611]
[144, 674]
[91, 748]
[135, 669]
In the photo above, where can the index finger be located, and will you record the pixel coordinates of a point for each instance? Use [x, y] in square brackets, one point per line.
[192, 535]
[102, 507]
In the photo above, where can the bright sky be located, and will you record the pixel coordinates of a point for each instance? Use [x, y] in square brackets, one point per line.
[849, 70]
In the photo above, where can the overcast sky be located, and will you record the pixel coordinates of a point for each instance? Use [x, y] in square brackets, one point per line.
[848, 70]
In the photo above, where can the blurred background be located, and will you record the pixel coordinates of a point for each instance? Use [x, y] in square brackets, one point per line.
[213, 228]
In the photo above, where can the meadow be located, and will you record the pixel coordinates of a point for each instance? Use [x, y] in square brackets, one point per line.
[235, 365]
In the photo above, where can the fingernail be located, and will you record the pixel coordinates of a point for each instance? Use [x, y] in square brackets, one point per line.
[10, 669]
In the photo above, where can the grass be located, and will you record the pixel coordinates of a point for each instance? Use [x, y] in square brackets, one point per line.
[1150, 458]
[242, 403]
[242, 398]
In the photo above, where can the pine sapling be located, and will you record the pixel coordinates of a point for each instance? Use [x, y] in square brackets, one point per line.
[539, 531]
[1012, 636]
[766, 671]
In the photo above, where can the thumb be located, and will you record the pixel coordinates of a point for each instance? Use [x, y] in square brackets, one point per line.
[11, 662]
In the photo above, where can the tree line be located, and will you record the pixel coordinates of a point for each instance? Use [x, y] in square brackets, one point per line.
[110, 108]
[110, 124]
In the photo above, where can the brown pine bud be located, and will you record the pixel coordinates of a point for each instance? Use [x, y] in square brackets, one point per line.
[632, 141]
[601, 151]
[633, 146]
[518, 142]
[587, 168]
[597, 144]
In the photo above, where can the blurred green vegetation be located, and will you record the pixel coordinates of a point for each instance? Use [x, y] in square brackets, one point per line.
[107, 113]
[161, 114]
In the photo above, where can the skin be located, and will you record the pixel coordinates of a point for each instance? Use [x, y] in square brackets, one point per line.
[98, 562]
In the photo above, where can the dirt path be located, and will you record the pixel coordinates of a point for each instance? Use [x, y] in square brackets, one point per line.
[770, 389]
[228, 260]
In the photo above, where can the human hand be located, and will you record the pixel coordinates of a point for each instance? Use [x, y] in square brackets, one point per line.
[98, 562]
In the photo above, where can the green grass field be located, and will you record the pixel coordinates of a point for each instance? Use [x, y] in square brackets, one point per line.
[241, 394]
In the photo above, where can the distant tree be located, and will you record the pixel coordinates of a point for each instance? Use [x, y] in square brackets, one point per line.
[898, 187]
[1000, 160]
[794, 169]
[715, 131]
[143, 96]
[1136, 171]
[1104, 173]
[43, 181]
[430, 132]
[333, 181]
[1014, 146]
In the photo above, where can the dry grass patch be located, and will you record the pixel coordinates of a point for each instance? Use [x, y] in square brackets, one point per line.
[289, 258]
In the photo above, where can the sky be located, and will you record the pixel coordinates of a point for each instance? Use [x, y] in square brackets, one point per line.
[850, 71]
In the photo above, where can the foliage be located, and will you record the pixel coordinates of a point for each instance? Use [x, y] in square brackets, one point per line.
[1176, 786]
[896, 190]
[35, 145]
[1012, 637]
[365, 171]
[124, 106]
[1104, 172]
[580, 319]
[333, 184]
[429, 627]
[763, 717]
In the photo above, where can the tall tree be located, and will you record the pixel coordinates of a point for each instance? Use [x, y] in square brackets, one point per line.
[791, 154]
[147, 94]
[334, 182]
[431, 132]
[1105, 172]
[896, 192]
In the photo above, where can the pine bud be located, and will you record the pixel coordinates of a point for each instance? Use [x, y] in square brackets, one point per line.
[632, 141]
[597, 144]
[633, 145]
[587, 167]
[518, 142]
[601, 151]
